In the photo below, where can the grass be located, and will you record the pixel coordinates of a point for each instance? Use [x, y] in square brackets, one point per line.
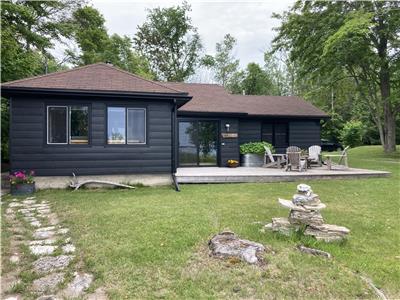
[152, 242]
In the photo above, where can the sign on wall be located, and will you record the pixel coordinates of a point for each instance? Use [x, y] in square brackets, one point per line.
[229, 135]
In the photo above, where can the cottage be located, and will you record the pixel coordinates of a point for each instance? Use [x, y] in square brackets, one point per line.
[98, 120]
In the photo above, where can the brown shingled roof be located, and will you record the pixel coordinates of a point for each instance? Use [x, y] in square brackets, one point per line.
[212, 98]
[100, 77]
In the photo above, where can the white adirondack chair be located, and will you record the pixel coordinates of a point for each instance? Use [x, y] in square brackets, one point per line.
[342, 162]
[273, 160]
[314, 154]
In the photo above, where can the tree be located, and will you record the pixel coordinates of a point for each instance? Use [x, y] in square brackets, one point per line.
[223, 63]
[170, 42]
[96, 45]
[357, 40]
[256, 81]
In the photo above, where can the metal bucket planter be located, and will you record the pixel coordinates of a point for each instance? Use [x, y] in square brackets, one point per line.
[252, 160]
[22, 189]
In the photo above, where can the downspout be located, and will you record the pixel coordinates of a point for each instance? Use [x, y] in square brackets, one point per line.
[174, 147]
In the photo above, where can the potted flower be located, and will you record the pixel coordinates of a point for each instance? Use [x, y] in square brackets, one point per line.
[22, 183]
[252, 154]
[231, 163]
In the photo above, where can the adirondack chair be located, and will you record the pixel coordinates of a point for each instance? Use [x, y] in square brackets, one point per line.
[342, 162]
[296, 162]
[314, 155]
[273, 160]
[293, 149]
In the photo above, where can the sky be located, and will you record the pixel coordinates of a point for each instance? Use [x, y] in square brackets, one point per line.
[250, 22]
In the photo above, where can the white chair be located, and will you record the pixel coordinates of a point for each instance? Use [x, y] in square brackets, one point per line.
[314, 155]
[342, 162]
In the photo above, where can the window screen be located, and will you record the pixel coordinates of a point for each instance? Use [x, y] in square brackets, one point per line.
[57, 124]
[136, 130]
[116, 125]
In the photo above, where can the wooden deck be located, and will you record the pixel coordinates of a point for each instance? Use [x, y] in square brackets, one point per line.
[242, 174]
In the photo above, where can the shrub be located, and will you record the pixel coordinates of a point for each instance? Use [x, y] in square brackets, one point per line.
[255, 148]
[352, 133]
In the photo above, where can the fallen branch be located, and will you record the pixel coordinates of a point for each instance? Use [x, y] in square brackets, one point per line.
[76, 185]
[377, 291]
[314, 251]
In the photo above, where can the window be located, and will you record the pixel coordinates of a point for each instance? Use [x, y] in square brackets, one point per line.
[68, 124]
[126, 125]
[275, 134]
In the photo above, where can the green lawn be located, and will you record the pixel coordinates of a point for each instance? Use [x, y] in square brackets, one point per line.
[152, 242]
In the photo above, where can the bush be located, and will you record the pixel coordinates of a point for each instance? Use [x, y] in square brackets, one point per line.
[352, 133]
[255, 148]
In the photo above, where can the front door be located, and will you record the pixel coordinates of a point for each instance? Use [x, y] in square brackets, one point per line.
[198, 143]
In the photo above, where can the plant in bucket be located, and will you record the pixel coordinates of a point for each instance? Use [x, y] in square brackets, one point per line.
[22, 182]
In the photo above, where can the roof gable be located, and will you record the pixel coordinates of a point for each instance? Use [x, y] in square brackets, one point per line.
[100, 77]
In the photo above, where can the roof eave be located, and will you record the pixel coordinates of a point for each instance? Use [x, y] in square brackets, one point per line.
[181, 98]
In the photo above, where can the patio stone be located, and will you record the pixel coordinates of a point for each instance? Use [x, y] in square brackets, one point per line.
[31, 198]
[10, 211]
[13, 297]
[42, 249]
[51, 263]
[36, 224]
[48, 283]
[79, 284]
[63, 231]
[49, 297]
[41, 235]
[29, 202]
[43, 242]
[14, 259]
[226, 244]
[69, 248]
[15, 204]
[48, 228]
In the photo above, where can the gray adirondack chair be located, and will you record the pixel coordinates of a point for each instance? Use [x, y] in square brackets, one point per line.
[295, 162]
[314, 155]
[273, 160]
[342, 162]
[293, 149]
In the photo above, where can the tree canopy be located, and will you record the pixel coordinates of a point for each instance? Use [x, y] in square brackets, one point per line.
[170, 42]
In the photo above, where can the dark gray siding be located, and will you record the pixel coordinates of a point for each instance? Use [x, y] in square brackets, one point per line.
[249, 131]
[304, 133]
[30, 151]
[229, 148]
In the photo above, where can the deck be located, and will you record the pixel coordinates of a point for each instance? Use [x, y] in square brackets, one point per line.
[243, 174]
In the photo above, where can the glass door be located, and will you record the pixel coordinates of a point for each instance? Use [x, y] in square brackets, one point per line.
[198, 143]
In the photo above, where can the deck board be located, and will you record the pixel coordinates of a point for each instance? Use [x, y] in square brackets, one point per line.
[244, 174]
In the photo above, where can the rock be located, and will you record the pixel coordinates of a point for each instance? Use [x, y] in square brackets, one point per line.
[69, 248]
[10, 211]
[29, 202]
[282, 225]
[40, 205]
[289, 204]
[40, 235]
[314, 251]
[42, 250]
[79, 284]
[14, 259]
[36, 224]
[63, 231]
[31, 198]
[327, 232]
[30, 219]
[49, 228]
[305, 218]
[15, 204]
[13, 297]
[51, 263]
[43, 242]
[227, 244]
[48, 283]
[49, 297]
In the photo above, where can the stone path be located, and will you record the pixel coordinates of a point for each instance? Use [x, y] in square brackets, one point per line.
[51, 258]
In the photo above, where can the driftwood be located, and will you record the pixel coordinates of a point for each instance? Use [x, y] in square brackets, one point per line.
[314, 251]
[76, 185]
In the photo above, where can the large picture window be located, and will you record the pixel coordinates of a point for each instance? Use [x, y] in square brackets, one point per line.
[68, 124]
[126, 125]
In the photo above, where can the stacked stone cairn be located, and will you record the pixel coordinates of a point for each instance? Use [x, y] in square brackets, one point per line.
[305, 214]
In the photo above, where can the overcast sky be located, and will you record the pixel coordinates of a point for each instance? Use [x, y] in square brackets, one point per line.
[250, 22]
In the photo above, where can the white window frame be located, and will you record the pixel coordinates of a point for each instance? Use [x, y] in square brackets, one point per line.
[66, 125]
[145, 125]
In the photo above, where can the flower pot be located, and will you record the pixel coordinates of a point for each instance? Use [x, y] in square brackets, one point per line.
[252, 160]
[233, 165]
[22, 189]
